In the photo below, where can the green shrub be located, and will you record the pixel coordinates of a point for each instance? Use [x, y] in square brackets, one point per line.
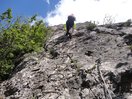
[128, 22]
[17, 38]
[90, 25]
[130, 47]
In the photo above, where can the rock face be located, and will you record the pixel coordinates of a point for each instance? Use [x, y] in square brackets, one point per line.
[92, 65]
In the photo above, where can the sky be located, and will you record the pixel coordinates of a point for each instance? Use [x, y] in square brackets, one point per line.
[55, 12]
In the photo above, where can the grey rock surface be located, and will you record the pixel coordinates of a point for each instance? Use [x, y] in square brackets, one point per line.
[92, 65]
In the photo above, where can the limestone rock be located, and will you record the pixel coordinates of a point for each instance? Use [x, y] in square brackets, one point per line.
[70, 69]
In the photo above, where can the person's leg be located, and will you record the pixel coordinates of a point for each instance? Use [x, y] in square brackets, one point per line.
[67, 28]
[72, 29]
[68, 32]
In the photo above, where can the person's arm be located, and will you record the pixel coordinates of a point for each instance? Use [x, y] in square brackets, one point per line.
[65, 27]
[74, 26]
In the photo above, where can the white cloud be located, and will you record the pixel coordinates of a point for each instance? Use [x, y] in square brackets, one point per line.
[48, 1]
[94, 10]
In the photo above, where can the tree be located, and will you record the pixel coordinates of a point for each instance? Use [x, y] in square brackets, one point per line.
[17, 38]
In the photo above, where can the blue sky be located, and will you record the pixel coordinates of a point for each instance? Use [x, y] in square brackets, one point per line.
[55, 12]
[28, 7]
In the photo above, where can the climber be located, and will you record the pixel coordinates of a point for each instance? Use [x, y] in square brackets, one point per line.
[70, 25]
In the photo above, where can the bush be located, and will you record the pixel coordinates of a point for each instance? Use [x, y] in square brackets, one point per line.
[130, 47]
[90, 26]
[128, 23]
[17, 38]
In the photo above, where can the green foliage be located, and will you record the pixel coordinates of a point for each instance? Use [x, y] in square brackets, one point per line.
[6, 15]
[17, 38]
[53, 53]
[128, 22]
[90, 25]
[130, 47]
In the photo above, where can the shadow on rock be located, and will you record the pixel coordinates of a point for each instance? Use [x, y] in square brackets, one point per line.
[62, 39]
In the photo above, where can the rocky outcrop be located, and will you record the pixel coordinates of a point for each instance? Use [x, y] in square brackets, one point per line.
[92, 65]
